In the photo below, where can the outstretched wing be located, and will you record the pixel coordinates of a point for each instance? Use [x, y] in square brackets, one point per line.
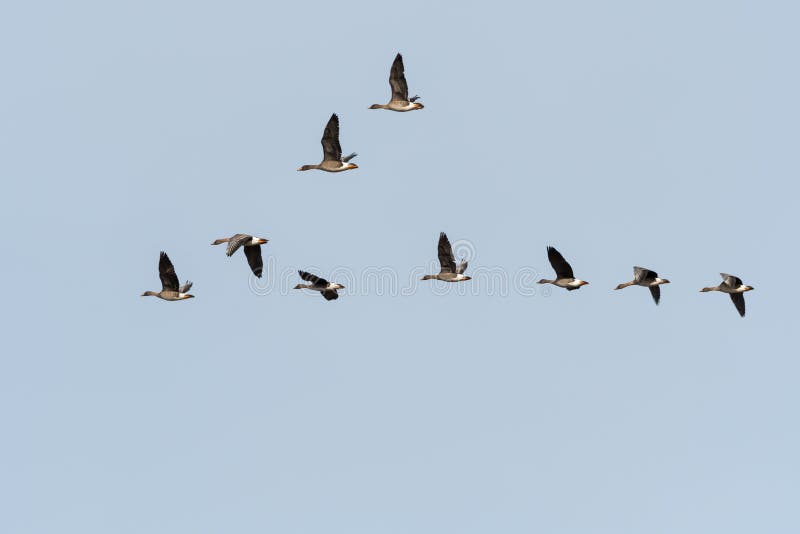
[330, 294]
[731, 281]
[253, 253]
[656, 292]
[462, 267]
[166, 271]
[640, 273]
[738, 301]
[446, 261]
[331, 148]
[397, 80]
[237, 241]
[185, 287]
[560, 265]
[316, 280]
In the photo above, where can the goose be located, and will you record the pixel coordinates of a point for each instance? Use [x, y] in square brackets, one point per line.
[646, 278]
[332, 160]
[564, 276]
[448, 272]
[252, 249]
[169, 282]
[327, 289]
[733, 286]
[399, 86]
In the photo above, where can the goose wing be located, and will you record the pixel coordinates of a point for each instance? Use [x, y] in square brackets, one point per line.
[560, 265]
[253, 253]
[166, 271]
[316, 280]
[446, 261]
[397, 80]
[331, 148]
[738, 301]
[330, 294]
[237, 241]
[641, 273]
[656, 292]
[732, 282]
[462, 267]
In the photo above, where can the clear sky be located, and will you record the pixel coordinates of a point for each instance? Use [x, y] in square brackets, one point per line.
[624, 133]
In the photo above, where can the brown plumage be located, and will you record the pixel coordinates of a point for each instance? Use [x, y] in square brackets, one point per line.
[564, 275]
[399, 86]
[170, 289]
[252, 249]
[733, 286]
[332, 160]
[327, 289]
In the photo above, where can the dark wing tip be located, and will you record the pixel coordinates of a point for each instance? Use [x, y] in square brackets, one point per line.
[655, 291]
[738, 301]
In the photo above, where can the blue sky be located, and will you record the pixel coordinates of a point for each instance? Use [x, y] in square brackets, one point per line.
[626, 133]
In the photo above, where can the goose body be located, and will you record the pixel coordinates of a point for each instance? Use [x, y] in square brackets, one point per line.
[327, 289]
[448, 270]
[564, 275]
[252, 249]
[646, 278]
[733, 286]
[332, 160]
[397, 81]
[170, 288]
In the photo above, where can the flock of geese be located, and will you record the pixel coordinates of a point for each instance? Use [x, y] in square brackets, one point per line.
[333, 161]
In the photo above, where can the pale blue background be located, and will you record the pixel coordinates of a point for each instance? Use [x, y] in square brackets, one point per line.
[662, 134]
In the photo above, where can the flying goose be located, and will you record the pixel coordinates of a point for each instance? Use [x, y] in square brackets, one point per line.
[733, 286]
[328, 289]
[332, 160]
[252, 249]
[448, 272]
[646, 278]
[564, 276]
[397, 81]
[169, 282]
